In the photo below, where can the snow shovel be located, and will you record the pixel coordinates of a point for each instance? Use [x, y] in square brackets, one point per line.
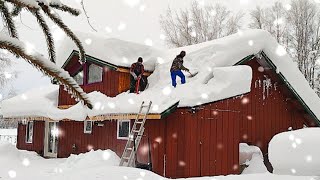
[192, 75]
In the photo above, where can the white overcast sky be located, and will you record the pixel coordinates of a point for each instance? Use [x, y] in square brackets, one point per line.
[132, 20]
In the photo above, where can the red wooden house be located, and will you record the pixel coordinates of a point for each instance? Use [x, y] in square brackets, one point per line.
[199, 140]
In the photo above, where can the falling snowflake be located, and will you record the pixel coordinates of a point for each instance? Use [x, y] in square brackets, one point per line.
[213, 12]
[240, 33]
[29, 48]
[293, 171]
[162, 36]
[1, 96]
[97, 105]
[158, 140]
[245, 100]
[125, 177]
[190, 24]
[106, 155]
[160, 60]
[131, 3]
[88, 41]
[204, 96]
[7, 75]
[24, 97]
[182, 163]
[111, 105]
[278, 21]
[148, 42]
[12, 174]
[122, 26]
[281, 51]
[125, 60]
[291, 137]
[108, 29]
[309, 158]
[250, 43]
[294, 145]
[142, 7]
[155, 107]
[166, 91]
[26, 162]
[261, 69]
[193, 34]
[288, 7]
[58, 34]
[143, 174]
[131, 101]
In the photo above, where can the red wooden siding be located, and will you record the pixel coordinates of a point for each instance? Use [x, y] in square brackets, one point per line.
[263, 117]
[105, 137]
[38, 137]
[205, 143]
[108, 86]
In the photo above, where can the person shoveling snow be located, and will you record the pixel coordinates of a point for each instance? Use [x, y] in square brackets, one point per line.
[136, 73]
[176, 69]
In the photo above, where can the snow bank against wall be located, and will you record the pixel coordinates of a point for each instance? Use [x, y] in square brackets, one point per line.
[296, 152]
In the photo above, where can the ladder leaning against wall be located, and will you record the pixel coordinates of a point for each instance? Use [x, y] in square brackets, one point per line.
[136, 133]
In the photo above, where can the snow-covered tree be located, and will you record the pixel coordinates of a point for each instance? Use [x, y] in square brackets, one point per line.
[199, 23]
[11, 42]
[297, 27]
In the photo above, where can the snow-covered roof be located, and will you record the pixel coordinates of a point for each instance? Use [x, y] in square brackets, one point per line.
[114, 51]
[217, 79]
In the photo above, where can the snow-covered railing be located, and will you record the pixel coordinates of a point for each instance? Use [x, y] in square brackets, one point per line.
[8, 135]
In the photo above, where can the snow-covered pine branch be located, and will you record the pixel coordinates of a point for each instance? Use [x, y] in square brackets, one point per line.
[50, 69]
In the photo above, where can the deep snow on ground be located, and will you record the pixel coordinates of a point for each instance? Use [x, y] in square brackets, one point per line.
[296, 152]
[99, 165]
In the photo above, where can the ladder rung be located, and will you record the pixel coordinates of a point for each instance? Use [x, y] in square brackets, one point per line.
[126, 158]
[136, 131]
[130, 149]
[139, 122]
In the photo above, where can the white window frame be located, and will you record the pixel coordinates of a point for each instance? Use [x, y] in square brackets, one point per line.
[29, 141]
[85, 124]
[118, 128]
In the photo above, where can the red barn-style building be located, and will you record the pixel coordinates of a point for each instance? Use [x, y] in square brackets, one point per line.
[201, 140]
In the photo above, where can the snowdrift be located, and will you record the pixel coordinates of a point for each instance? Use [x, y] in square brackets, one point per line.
[296, 152]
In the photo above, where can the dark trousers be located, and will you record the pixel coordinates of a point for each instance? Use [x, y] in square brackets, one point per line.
[133, 83]
[174, 75]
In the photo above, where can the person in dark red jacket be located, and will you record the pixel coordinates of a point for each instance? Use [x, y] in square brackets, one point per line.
[176, 69]
[136, 72]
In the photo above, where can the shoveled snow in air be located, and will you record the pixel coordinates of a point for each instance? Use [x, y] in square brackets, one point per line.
[217, 79]
[99, 165]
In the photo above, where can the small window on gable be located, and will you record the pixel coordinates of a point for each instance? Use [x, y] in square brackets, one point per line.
[29, 132]
[87, 127]
[95, 74]
[123, 129]
[79, 78]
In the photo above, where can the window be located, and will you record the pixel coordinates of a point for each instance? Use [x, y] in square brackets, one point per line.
[29, 132]
[87, 127]
[123, 129]
[95, 74]
[79, 78]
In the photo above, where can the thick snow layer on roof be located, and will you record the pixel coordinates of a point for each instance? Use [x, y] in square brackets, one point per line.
[220, 83]
[40, 102]
[114, 51]
[216, 79]
[296, 152]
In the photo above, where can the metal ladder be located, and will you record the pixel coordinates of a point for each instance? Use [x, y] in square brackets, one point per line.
[128, 156]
